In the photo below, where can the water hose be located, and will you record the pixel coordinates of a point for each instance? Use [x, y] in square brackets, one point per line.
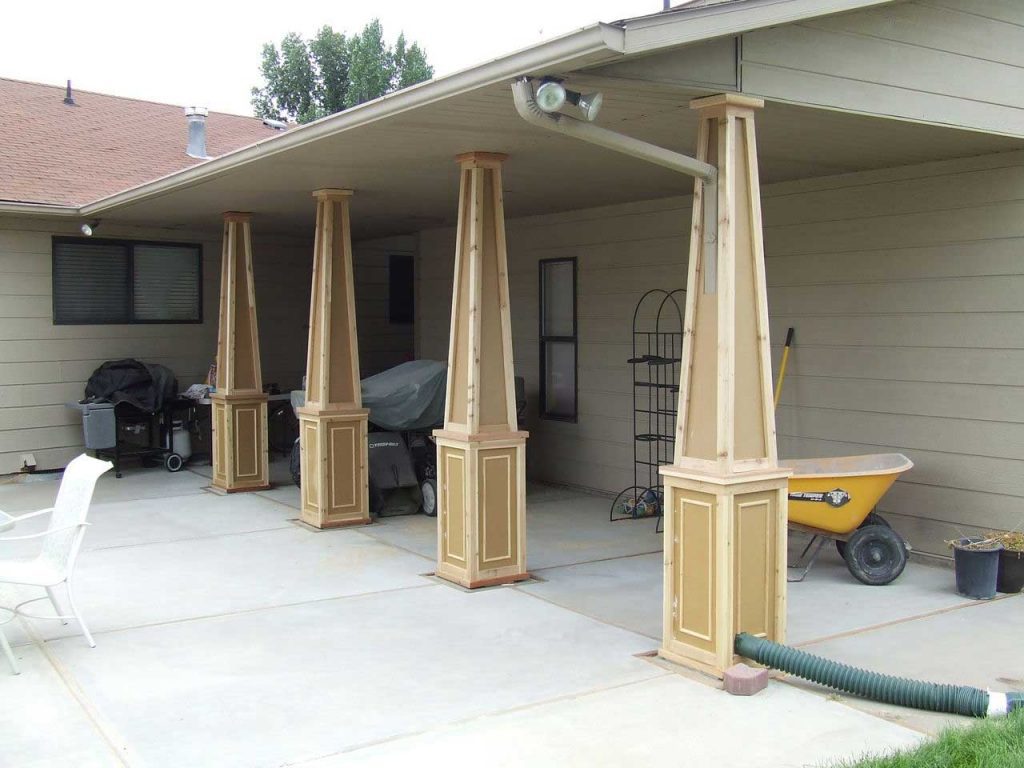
[888, 689]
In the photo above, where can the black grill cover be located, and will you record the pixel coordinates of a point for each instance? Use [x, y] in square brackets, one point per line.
[147, 386]
[390, 463]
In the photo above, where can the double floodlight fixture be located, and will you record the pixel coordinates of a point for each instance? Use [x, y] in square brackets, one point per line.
[551, 96]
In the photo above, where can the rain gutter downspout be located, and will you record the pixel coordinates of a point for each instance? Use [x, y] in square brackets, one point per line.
[526, 106]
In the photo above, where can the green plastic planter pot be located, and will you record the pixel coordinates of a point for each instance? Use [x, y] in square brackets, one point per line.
[976, 569]
[1011, 571]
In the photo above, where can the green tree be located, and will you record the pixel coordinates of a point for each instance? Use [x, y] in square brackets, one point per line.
[305, 80]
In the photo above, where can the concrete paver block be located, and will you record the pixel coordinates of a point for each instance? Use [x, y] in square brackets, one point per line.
[741, 680]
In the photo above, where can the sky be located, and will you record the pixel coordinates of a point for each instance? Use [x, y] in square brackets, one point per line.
[206, 52]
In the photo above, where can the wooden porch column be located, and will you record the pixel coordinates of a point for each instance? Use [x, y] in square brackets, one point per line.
[725, 495]
[481, 462]
[333, 423]
[239, 404]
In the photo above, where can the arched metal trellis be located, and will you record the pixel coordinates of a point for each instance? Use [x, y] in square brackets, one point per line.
[657, 349]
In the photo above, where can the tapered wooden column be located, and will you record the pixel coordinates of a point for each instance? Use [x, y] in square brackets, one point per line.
[239, 404]
[481, 462]
[725, 496]
[333, 423]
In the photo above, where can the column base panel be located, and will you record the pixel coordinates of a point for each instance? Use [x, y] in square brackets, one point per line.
[704, 667]
[326, 524]
[244, 489]
[463, 580]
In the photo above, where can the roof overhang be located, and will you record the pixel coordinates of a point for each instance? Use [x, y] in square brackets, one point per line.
[397, 152]
[585, 47]
[694, 23]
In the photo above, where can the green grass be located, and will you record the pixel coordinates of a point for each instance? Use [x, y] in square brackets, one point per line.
[985, 744]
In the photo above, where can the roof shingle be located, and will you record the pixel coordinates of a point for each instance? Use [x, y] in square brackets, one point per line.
[55, 153]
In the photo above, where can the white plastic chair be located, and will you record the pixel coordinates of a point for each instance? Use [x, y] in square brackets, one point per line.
[61, 541]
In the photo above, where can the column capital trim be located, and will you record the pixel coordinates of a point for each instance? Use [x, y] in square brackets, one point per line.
[239, 216]
[332, 194]
[481, 159]
[727, 103]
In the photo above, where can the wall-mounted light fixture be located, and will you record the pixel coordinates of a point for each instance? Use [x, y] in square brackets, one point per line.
[90, 227]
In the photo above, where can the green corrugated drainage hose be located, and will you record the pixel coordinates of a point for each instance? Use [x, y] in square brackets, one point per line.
[954, 699]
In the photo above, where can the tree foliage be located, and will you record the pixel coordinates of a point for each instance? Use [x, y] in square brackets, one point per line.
[307, 79]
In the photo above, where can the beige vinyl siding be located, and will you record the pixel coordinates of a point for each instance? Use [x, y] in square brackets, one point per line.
[382, 344]
[904, 286]
[956, 62]
[43, 366]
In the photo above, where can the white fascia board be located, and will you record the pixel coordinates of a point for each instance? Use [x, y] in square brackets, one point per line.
[692, 25]
[586, 43]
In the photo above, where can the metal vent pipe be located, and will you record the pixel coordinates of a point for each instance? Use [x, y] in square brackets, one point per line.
[196, 117]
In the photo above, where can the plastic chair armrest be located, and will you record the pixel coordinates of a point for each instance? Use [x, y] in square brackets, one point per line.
[29, 515]
[41, 534]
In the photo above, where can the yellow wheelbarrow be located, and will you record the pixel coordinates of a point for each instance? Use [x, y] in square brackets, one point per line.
[834, 499]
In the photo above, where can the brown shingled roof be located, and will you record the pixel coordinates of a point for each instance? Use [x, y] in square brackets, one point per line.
[51, 152]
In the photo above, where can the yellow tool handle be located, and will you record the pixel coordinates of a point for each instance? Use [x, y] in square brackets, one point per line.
[782, 366]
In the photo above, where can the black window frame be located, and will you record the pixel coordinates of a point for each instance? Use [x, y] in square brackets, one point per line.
[401, 318]
[544, 339]
[129, 277]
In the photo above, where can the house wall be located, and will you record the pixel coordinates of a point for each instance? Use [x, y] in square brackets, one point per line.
[904, 289]
[382, 344]
[955, 62]
[43, 366]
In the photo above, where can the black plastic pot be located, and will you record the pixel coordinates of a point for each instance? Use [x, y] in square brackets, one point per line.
[1011, 571]
[976, 569]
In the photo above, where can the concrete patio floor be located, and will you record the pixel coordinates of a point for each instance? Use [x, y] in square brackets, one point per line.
[230, 635]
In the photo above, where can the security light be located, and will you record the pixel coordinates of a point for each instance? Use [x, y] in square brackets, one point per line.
[589, 103]
[88, 229]
[550, 96]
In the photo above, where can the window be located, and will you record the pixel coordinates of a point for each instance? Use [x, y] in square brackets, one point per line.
[558, 339]
[107, 282]
[401, 289]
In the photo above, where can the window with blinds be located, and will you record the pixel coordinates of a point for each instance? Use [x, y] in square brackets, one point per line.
[97, 282]
[558, 341]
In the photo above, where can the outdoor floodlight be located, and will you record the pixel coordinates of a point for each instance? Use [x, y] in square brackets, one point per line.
[589, 103]
[88, 229]
[550, 96]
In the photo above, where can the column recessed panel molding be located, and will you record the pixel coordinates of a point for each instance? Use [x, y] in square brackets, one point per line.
[725, 494]
[239, 406]
[333, 423]
[481, 451]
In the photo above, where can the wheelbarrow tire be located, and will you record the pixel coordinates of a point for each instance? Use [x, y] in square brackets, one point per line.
[873, 518]
[876, 555]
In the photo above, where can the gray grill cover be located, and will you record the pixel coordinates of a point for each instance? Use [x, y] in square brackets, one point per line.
[407, 397]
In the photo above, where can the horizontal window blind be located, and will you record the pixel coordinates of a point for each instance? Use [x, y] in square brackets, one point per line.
[165, 283]
[119, 282]
[90, 283]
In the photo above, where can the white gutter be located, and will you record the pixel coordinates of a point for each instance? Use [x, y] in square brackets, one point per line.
[587, 42]
[522, 92]
[38, 209]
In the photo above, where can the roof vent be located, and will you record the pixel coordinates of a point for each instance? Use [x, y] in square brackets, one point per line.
[197, 132]
[69, 99]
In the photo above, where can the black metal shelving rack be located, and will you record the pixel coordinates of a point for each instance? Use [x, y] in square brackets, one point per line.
[657, 349]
